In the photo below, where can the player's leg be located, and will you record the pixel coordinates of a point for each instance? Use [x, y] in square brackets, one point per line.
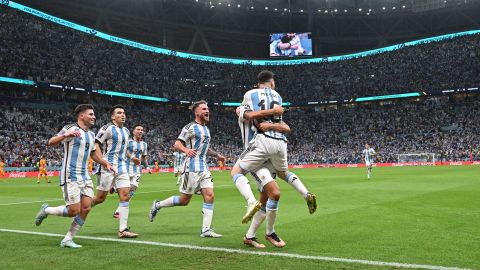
[188, 181]
[38, 177]
[105, 181]
[251, 159]
[273, 192]
[369, 169]
[280, 164]
[262, 177]
[71, 208]
[122, 184]
[46, 177]
[79, 220]
[205, 184]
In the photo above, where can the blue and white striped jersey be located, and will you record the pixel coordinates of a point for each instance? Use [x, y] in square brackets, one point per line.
[113, 141]
[138, 150]
[368, 154]
[196, 137]
[265, 99]
[247, 128]
[76, 154]
[179, 158]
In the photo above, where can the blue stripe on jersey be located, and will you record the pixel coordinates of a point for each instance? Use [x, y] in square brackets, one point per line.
[198, 139]
[130, 150]
[85, 156]
[111, 154]
[121, 153]
[73, 158]
[138, 154]
[255, 101]
[203, 154]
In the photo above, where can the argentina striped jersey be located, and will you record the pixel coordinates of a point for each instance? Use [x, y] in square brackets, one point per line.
[247, 128]
[196, 137]
[113, 141]
[368, 154]
[76, 154]
[264, 99]
[179, 158]
[138, 150]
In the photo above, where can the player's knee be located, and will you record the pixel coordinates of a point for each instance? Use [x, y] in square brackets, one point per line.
[73, 211]
[86, 209]
[184, 201]
[99, 200]
[274, 195]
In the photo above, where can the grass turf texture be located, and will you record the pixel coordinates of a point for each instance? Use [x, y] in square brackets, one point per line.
[412, 215]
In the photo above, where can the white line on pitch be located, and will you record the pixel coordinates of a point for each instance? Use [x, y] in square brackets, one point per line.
[145, 192]
[240, 251]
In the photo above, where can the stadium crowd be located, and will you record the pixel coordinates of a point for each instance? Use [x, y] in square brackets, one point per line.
[36, 49]
[445, 126]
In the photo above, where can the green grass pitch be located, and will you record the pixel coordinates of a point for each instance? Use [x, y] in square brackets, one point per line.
[409, 215]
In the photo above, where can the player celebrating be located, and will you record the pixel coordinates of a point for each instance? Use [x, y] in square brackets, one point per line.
[194, 141]
[113, 140]
[42, 170]
[78, 144]
[269, 145]
[368, 154]
[136, 153]
[178, 159]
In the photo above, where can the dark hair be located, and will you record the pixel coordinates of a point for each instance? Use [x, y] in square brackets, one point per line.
[195, 105]
[81, 108]
[135, 126]
[118, 106]
[265, 76]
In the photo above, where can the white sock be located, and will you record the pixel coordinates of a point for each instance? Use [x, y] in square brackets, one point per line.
[207, 211]
[272, 207]
[257, 220]
[77, 223]
[169, 202]
[296, 183]
[123, 210]
[61, 211]
[243, 186]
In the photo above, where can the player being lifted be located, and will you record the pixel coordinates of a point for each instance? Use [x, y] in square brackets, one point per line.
[178, 159]
[77, 187]
[269, 145]
[194, 141]
[42, 170]
[136, 153]
[368, 154]
[113, 140]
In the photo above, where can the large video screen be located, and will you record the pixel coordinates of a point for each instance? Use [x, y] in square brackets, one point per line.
[290, 44]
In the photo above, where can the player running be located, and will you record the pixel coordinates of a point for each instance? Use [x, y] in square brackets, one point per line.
[178, 160]
[368, 154]
[42, 167]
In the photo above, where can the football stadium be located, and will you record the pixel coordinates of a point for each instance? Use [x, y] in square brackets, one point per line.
[238, 134]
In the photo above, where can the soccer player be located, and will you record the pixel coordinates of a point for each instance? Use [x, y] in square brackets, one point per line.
[78, 144]
[136, 153]
[178, 159]
[194, 141]
[2, 164]
[368, 154]
[90, 166]
[266, 174]
[267, 145]
[156, 169]
[42, 170]
[113, 140]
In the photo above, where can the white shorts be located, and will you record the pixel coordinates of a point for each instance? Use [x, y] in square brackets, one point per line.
[368, 163]
[193, 182]
[107, 180]
[264, 175]
[73, 191]
[263, 149]
[135, 179]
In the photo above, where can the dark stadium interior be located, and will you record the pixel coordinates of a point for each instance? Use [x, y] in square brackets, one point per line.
[446, 124]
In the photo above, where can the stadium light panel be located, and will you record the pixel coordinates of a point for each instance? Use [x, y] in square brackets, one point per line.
[406, 95]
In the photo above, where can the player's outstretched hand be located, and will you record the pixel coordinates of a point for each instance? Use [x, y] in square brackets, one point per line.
[191, 153]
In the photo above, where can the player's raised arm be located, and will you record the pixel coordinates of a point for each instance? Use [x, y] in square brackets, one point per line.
[55, 140]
